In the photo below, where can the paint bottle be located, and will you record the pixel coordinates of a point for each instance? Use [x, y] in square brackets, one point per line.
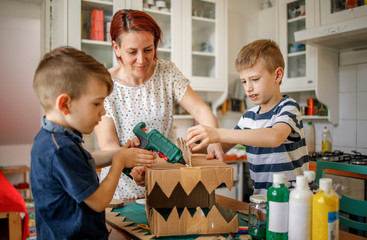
[300, 202]
[326, 145]
[325, 212]
[277, 209]
[310, 175]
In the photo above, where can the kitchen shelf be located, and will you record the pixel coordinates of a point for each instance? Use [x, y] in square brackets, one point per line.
[296, 19]
[314, 117]
[149, 11]
[206, 54]
[94, 42]
[167, 50]
[203, 19]
[106, 6]
[294, 54]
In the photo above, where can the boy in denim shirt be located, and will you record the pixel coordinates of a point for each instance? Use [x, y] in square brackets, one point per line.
[69, 201]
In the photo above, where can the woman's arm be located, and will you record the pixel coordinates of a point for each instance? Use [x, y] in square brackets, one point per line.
[106, 134]
[201, 112]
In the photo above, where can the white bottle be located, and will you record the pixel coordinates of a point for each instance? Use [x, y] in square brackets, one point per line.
[327, 141]
[310, 137]
[310, 176]
[300, 211]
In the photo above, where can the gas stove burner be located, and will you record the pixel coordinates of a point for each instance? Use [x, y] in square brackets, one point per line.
[358, 158]
[359, 162]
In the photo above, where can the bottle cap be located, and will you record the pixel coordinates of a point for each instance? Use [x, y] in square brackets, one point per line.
[258, 198]
[310, 175]
[301, 182]
[325, 184]
[278, 178]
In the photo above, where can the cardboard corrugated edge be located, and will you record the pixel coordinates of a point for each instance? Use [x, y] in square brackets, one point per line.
[168, 176]
[118, 221]
[213, 223]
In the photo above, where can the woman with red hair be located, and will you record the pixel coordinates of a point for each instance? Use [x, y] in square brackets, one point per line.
[146, 89]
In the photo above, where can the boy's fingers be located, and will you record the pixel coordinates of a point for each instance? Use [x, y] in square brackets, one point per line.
[128, 144]
[135, 142]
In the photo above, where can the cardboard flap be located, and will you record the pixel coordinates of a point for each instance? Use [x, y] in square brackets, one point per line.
[213, 222]
[189, 178]
[212, 178]
[167, 180]
[211, 173]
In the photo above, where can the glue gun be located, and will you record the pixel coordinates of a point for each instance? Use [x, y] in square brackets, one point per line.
[155, 141]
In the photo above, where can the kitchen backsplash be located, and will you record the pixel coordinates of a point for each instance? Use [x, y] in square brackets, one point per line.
[351, 132]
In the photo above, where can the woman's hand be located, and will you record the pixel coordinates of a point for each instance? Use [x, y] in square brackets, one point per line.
[138, 174]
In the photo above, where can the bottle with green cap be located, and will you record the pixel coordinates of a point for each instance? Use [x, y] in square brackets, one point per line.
[277, 209]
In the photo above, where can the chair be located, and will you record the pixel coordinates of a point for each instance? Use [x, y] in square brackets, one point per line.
[355, 211]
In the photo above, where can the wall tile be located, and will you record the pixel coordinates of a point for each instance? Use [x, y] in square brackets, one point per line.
[361, 106]
[362, 134]
[347, 105]
[344, 134]
[362, 77]
[347, 78]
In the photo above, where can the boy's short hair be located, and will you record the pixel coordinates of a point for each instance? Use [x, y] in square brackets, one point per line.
[265, 49]
[67, 70]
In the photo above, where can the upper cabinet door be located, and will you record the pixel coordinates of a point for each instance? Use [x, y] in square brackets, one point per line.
[334, 11]
[204, 47]
[299, 71]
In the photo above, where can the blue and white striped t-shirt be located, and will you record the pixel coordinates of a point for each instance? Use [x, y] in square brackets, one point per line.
[291, 157]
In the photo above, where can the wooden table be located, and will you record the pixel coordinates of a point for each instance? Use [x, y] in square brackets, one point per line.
[227, 203]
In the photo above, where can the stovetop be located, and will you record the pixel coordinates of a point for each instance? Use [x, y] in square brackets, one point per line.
[338, 156]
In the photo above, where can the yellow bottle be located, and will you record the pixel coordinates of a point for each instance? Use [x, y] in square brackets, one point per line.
[326, 141]
[325, 212]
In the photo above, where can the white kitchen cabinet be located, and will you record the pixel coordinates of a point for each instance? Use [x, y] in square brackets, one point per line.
[332, 11]
[310, 71]
[299, 72]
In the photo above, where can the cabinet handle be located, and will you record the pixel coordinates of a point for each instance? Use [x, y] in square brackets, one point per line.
[309, 81]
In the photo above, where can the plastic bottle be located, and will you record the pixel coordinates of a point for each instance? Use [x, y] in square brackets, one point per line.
[325, 212]
[277, 209]
[310, 137]
[310, 175]
[257, 217]
[327, 141]
[300, 202]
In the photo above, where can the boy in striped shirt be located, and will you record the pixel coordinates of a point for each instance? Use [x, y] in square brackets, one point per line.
[272, 131]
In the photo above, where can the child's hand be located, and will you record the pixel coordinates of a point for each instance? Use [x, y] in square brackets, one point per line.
[135, 156]
[215, 151]
[138, 174]
[206, 134]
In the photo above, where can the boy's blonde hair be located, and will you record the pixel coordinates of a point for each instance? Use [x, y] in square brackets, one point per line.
[266, 50]
[67, 70]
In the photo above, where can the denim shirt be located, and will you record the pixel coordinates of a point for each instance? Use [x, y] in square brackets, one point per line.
[63, 175]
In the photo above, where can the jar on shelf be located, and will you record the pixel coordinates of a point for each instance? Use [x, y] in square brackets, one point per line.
[257, 217]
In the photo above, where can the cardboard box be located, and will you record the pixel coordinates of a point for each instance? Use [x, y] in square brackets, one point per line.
[180, 200]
